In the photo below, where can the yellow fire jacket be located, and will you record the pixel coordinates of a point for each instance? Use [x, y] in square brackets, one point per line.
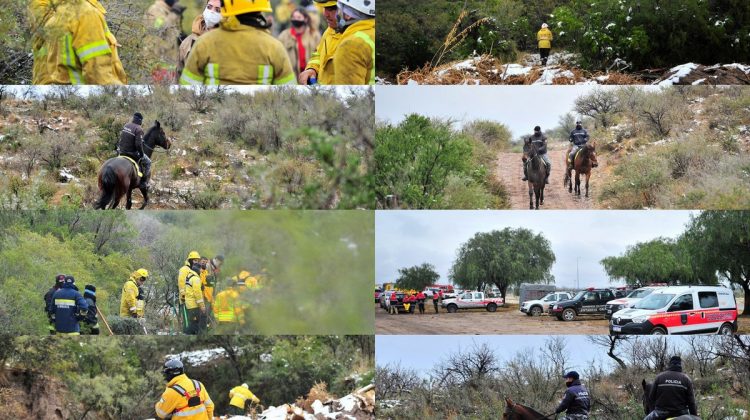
[128, 301]
[226, 308]
[322, 59]
[355, 55]
[174, 403]
[222, 56]
[544, 36]
[239, 395]
[193, 291]
[181, 276]
[73, 44]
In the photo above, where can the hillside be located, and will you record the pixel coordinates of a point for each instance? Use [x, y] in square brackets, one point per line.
[230, 148]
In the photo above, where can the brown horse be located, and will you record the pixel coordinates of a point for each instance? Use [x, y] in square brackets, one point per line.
[583, 162]
[118, 176]
[536, 171]
[515, 411]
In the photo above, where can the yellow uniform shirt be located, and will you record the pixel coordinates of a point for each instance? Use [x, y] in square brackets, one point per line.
[175, 404]
[239, 395]
[544, 36]
[128, 301]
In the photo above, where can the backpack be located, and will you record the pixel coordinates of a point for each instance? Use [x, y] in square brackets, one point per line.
[193, 401]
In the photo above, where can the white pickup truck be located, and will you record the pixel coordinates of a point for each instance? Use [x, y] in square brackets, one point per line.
[472, 300]
[540, 306]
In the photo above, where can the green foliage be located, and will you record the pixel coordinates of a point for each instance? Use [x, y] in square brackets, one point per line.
[638, 183]
[416, 159]
[417, 277]
[503, 258]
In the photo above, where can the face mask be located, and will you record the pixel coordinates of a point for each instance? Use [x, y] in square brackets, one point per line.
[211, 18]
[578, 127]
[298, 23]
[195, 267]
[170, 3]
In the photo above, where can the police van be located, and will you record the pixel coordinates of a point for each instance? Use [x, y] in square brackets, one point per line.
[679, 310]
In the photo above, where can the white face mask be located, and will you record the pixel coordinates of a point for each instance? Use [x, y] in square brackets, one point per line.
[211, 18]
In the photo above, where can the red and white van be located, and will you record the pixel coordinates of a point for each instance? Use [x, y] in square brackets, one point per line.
[679, 310]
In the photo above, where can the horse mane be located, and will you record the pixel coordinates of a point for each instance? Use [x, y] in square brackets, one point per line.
[149, 133]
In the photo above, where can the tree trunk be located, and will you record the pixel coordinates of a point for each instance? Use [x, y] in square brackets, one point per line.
[746, 289]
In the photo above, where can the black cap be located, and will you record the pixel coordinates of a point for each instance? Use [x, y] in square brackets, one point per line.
[572, 375]
[137, 118]
[675, 359]
[69, 279]
[90, 287]
[537, 128]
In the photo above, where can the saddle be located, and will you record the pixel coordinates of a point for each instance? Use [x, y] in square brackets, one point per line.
[137, 167]
[575, 155]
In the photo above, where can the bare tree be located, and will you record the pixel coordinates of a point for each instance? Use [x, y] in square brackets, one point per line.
[601, 105]
[610, 342]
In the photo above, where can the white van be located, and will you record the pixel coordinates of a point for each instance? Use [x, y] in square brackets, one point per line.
[679, 310]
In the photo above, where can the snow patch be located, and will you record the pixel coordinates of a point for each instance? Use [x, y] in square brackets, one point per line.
[699, 81]
[549, 76]
[199, 357]
[677, 73]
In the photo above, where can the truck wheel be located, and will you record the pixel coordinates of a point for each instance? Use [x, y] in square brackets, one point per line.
[658, 331]
[726, 329]
[569, 314]
[536, 311]
[491, 307]
[452, 308]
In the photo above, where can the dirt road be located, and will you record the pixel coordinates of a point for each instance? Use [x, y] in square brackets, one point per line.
[507, 320]
[509, 171]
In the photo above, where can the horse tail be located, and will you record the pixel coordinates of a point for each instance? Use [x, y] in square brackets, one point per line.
[107, 184]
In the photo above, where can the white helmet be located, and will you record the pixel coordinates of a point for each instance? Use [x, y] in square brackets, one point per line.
[364, 6]
[544, 25]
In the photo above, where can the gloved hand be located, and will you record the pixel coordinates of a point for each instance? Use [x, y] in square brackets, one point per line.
[133, 315]
[95, 330]
[142, 321]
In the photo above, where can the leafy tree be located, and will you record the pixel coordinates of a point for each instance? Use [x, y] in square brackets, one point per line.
[601, 105]
[417, 277]
[721, 242]
[503, 258]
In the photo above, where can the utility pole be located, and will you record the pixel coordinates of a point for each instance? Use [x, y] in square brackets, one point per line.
[578, 280]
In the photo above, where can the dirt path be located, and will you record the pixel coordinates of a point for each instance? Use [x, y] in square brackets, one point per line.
[509, 171]
[505, 321]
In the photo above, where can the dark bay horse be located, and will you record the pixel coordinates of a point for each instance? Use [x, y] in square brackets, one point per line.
[648, 405]
[583, 162]
[515, 411]
[118, 176]
[536, 172]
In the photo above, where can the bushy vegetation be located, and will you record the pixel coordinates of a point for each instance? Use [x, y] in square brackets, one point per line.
[426, 163]
[649, 34]
[309, 257]
[280, 148]
[473, 383]
[120, 377]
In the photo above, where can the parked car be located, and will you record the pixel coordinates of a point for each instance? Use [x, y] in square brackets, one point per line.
[539, 306]
[631, 299]
[586, 302]
[472, 300]
[679, 310]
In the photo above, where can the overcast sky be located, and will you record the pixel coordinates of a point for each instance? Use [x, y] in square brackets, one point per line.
[407, 238]
[422, 352]
[520, 108]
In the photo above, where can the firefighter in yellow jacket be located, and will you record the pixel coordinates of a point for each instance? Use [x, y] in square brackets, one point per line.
[194, 302]
[228, 309]
[238, 397]
[354, 58]
[130, 304]
[72, 44]
[544, 36]
[320, 66]
[181, 276]
[184, 398]
[240, 52]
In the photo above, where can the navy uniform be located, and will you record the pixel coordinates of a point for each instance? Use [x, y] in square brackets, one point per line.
[578, 138]
[672, 394]
[131, 145]
[576, 403]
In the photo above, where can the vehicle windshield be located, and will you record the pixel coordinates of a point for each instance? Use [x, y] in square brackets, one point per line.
[640, 294]
[654, 301]
[549, 297]
[579, 295]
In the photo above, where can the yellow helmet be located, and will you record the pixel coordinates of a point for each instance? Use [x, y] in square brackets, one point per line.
[193, 255]
[140, 273]
[239, 7]
[243, 275]
[327, 3]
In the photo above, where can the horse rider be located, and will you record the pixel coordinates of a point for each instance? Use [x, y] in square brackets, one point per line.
[672, 393]
[540, 140]
[578, 138]
[576, 402]
[131, 145]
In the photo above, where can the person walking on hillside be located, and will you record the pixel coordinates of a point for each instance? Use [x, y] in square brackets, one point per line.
[540, 141]
[576, 402]
[672, 394]
[72, 44]
[131, 145]
[204, 22]
[320, 66]
[48, 307]
[69, 308]
[90, 323]
[544, 36]
[184, 398]
[238, 397]
[300, 40]
[355, 54]
[129, 302]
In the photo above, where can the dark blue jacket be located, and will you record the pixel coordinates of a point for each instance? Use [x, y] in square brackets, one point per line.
[579, 137]
[576, 400]
[69, 308]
